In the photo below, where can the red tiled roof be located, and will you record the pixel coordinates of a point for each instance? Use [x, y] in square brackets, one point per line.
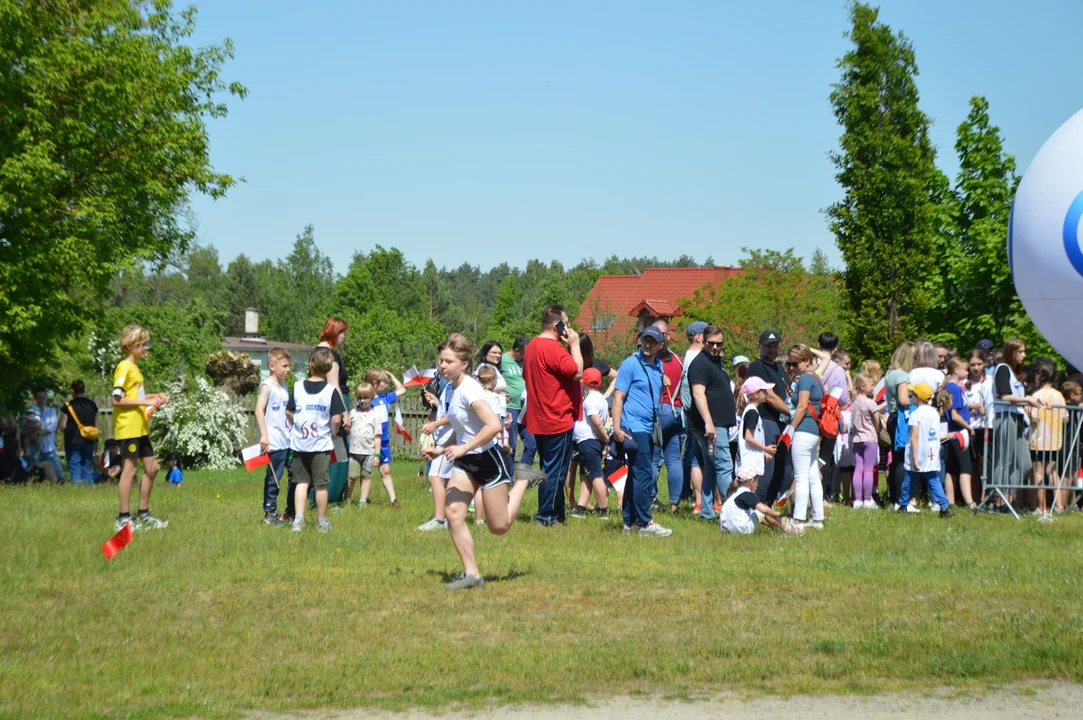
[657, 291]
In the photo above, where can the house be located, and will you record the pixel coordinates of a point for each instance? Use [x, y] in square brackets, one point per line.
[256, 347]
[619, 306]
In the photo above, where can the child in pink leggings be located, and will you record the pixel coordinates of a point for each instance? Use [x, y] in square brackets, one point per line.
[866, 421]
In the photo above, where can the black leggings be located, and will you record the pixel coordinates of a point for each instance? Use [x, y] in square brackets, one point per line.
[829, 471]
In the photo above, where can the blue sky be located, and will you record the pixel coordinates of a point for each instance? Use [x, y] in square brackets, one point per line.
[486, 132]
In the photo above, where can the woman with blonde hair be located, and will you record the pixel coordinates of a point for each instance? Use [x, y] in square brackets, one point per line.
[897, 385]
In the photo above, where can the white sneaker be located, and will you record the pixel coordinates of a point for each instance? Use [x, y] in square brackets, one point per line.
[914, 509]
[653, 529]
[933, 507]
[859, 504]
[431, 525]
[298, 524]
[871, 505]
[815, 524]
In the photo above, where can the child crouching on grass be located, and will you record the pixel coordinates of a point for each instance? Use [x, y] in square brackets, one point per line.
[743, 511]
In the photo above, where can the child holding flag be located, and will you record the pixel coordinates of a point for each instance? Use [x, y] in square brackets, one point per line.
[274, 432]
[382, 404]
[366, 444]
[131, 428]
[317, 410]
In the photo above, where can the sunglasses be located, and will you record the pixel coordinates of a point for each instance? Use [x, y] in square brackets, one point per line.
[792, 364]
[714, 343]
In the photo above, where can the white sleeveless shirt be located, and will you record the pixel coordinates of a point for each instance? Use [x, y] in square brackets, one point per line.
[735, 520]
[312, 419]
[278, 427]
[749, 456]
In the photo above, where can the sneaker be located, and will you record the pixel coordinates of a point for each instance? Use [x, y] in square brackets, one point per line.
[859, 504]
[914, 509]
[914, 503]
[533, 477]
[323, 525]
[149, 522]
[717, 508]
[120, 523]
[578, 512]
[933, 507]
[696, 508]
[653, 529]
[792, 529]
[871, 505]
[603, 514]
[396, 504]
[298, 524]
[629, 530]
[1045, 519]
[815, 524]
[946, 513]
[362, 503]
[269, 518]
[431, 525]
[466, 582]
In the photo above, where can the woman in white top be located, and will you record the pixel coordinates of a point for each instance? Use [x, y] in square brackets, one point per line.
[925, 368]
[476, 461]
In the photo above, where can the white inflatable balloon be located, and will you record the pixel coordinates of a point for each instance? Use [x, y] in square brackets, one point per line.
[1044, 240]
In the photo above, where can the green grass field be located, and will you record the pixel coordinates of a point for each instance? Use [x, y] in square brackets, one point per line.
[218, 615]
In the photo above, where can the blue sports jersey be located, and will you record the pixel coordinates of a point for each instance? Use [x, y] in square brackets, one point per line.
[382, 405]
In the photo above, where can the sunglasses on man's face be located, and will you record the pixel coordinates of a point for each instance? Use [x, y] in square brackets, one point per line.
[714, 343]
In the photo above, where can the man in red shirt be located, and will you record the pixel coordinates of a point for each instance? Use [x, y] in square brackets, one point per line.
[554, 401]
[669, 416]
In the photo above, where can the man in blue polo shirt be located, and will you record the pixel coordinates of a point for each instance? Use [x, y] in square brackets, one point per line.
[635, 410]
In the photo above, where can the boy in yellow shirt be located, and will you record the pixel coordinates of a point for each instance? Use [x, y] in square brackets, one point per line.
[132, 430]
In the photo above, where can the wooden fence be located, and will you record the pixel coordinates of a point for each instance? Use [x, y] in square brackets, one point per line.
[413, 415]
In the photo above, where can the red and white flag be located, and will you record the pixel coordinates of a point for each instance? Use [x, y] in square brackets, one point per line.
[400, 427]
[254, 458]
[415, 378]
[116, 543]
[338, 451]
[963, 438]
[149, 410]
[786, 438]
[618, 477]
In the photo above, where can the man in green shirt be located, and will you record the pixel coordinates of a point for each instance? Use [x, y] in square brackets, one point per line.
[511, 367]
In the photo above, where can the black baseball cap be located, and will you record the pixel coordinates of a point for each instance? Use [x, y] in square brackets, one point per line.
[769, 336]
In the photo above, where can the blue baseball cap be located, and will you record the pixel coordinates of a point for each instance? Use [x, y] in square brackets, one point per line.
[696, 328]
[653, 333]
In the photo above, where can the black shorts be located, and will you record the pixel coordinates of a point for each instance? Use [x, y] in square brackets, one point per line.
[139, 447]
[486, 468]
[590, 457]
[956, 460]
[1044, 457]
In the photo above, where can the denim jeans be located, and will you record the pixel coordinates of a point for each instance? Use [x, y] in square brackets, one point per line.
[529, 446]
[556, 455]
[932, 480]
[81, 463]
[717, 470]
[691, 457]
[279, 466]
[637, 488]
[670, 454]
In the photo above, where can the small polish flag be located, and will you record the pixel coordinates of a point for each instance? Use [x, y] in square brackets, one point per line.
[617, 478]
[400, 427]
[338, 451]
[149, 410]
[783, 499]
[963, 438]
[831, 399]
[786, 438]
[880, 392]
[254, 458]
[116, 543]
[415, 378]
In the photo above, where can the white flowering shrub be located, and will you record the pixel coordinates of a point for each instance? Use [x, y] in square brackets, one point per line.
[201, 424]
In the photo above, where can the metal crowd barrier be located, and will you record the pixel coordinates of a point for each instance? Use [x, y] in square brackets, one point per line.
[1030, 450]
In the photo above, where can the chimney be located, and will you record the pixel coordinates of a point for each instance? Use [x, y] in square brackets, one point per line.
[251, 323]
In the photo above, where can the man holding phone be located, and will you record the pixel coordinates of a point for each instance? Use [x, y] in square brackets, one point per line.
[554, 400]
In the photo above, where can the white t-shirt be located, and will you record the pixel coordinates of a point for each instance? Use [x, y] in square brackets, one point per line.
[497, 402]
[930, 376]
[593, 404]
[927, 421]
[463, 418]
[737, 519]
[975, 394]
[365, 427]
[441, 435]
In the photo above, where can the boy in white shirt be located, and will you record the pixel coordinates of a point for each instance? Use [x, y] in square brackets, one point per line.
[922, 461]
[365, 444]
[591, 437]
[316, 409]
[274, 432]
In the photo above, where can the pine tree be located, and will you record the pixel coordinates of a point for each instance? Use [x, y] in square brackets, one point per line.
[885, 225]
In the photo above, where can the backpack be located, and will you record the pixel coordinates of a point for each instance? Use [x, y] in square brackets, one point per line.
[829, 417]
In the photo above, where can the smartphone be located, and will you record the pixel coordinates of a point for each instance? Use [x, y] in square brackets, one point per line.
[562, 329]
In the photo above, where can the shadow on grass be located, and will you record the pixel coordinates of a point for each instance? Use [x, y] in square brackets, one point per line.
[513, 574]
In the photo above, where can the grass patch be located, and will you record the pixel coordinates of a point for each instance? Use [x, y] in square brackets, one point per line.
[218, 615]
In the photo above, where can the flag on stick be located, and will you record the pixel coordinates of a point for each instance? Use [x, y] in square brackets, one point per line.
[400, 427]
[618, 477]
[417, 378]
[338, 451]
[786, 438]
[254, 458]
[116, 543]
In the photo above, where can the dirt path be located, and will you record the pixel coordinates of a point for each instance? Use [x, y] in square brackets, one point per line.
[1047, 700]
